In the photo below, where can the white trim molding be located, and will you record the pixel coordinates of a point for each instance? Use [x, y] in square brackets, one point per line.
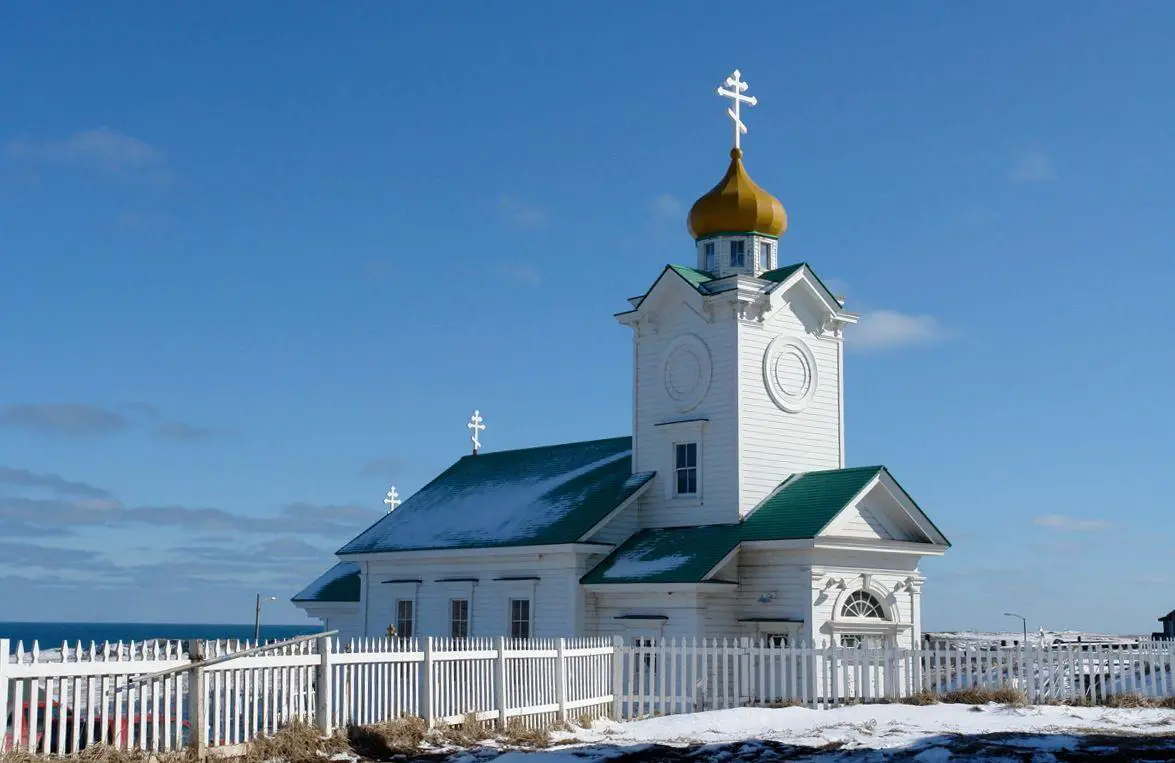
[686, 370]
[784, 353]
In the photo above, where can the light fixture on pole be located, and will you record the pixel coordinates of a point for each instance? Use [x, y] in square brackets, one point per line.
[257, 618]
[1023, 623]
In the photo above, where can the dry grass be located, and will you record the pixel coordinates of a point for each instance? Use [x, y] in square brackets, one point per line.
[921, 699]
[468, 733]
[518, 734]
[1132, 700]
[585, 721]
[782, 703]
[298, 742]
[383, 740]
[981, 696]
[102, 753]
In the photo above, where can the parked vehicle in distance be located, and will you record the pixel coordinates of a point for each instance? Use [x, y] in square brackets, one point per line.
[48, 721]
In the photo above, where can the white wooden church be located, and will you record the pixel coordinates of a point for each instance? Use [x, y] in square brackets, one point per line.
[728, 512]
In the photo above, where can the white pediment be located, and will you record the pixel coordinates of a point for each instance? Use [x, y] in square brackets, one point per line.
[883, 511]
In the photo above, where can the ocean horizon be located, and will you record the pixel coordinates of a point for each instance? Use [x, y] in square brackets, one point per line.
[51, 635]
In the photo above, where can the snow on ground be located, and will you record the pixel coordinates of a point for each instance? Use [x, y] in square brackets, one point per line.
[866, 732]
[873, 725]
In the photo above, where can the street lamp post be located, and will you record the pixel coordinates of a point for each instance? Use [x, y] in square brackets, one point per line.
[257, 618]
[1023, 623]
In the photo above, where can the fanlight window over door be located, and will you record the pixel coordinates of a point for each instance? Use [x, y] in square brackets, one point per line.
[862, 604]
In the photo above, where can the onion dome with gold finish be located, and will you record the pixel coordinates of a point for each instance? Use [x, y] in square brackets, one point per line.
[737, 205]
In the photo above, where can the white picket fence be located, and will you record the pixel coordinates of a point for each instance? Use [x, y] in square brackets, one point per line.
[76, 697]
[679, 676]
[60, 701]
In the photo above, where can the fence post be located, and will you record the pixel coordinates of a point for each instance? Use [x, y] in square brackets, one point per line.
[426, 676]
[196, 709]
[500, 680]
[617, 675]
[323, 701]
[561, 678]
[4, 687]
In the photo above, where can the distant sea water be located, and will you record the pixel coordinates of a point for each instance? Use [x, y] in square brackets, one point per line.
[50, 635]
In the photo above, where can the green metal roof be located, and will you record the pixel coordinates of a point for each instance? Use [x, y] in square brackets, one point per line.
[671, 555]
[695, 277]
[535, 496]
[801, 507]
[338, 584]
[806, 503]
[779, 275]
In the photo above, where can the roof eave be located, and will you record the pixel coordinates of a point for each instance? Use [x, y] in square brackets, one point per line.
[641, 587]
[503, 550]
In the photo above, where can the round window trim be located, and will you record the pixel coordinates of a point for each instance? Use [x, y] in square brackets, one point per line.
[686, 369]
[789, 373]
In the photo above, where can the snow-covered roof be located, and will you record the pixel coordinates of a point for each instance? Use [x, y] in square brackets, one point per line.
[535, 496]
[338, 584]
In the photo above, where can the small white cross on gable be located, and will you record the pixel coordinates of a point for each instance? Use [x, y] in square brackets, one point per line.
[393, 499]
[477, 424]
[735, 94]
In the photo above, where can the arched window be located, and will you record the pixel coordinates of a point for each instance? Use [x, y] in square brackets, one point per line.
[862, 604]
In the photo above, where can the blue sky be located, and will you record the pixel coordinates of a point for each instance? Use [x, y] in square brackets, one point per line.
[262, 260]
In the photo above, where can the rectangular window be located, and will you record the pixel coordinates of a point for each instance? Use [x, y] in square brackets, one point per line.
[520, 618]
[685, 465]
[738, 254]
[764, 256]
[645, 655]
[711, 260]
[459, 618]
[404, 618]
[861, 641]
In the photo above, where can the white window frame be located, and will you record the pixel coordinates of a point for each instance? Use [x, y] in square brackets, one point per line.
[510, 619]
[674, 433]
[764, 255]
[742, 263]
[411, 618]
[863, 640]
[709, 256]
[697, 468]
[453, 620]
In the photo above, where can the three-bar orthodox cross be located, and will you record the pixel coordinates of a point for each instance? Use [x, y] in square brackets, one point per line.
[735, 94]
[477, 424]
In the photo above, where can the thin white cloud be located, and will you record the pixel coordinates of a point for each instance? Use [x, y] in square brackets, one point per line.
[1070, 524]
[1032, 167]
[521, 273]
[668, 207]
[890, 330]
[521, 214]
[104, 150]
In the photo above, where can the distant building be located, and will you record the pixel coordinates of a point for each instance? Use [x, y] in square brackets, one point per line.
[1168, 621]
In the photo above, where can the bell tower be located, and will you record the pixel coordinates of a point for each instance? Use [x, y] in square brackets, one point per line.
[736, 361]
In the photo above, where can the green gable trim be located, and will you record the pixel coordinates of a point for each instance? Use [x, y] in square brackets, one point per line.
[339, 584]
[549, 495]
[693, 276]
[779, 275]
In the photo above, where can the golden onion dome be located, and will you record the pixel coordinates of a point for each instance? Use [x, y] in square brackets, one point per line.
[737, 205]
